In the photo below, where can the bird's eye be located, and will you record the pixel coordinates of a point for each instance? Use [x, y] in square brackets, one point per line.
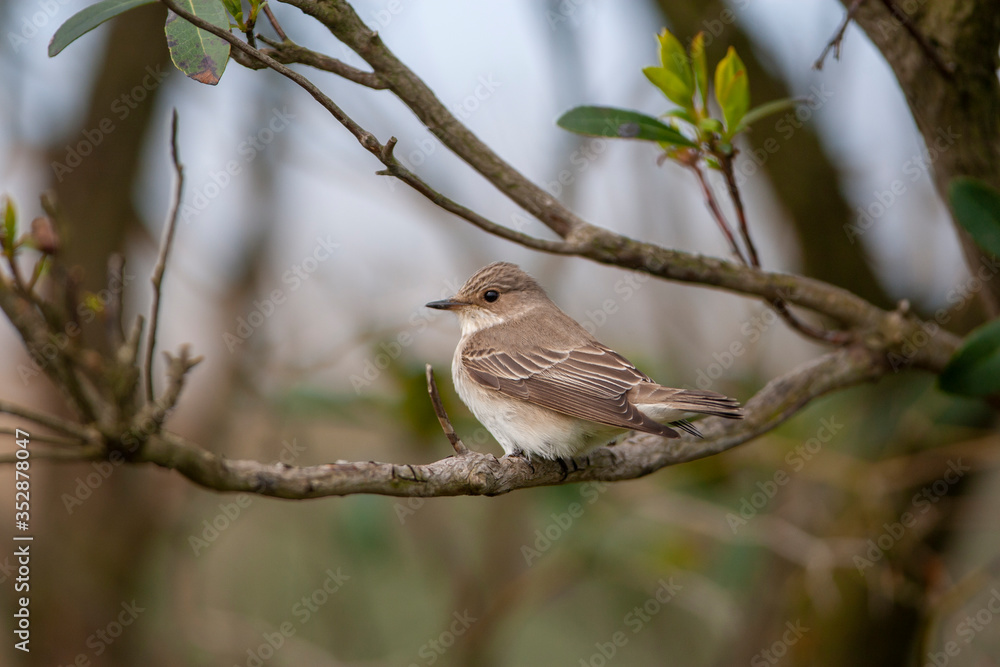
[491, 295]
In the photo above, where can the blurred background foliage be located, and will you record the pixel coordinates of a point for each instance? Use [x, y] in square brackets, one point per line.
[791, 549]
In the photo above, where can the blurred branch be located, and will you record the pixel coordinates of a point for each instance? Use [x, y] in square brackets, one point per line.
[953, 103]
[161, 261]
[838, 37]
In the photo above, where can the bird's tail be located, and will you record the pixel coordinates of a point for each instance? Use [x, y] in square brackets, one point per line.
[706, 403]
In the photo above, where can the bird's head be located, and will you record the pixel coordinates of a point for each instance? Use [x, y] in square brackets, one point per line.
[495, 294]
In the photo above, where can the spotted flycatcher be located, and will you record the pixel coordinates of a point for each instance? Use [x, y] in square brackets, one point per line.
[543, 386]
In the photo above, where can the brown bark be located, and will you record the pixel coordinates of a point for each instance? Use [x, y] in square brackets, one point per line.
[958, 113]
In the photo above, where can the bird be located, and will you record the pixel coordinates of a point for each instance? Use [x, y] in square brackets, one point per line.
[544, 386]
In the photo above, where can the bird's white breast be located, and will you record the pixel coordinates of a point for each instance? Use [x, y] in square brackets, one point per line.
[476, 319]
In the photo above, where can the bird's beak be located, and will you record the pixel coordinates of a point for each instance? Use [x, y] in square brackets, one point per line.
[446, 304]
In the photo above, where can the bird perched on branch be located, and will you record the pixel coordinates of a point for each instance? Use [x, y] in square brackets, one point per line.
[543, 386]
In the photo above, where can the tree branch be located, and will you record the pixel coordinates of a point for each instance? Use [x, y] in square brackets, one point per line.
[876, 326]
[483, 474]
[161, 262]
[955, 107]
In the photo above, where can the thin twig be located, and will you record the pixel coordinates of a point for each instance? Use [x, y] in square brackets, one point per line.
[828, 336]
[161, 262]
[720, 219]
[51, 421]
[449, 430]
[274, 22]
[726, 162]
[116, 279]
[925, 46]
[288, 52]
[48, 439]
[88, 453]
[838, 37]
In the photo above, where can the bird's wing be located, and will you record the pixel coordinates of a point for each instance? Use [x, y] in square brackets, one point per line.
[590, 382]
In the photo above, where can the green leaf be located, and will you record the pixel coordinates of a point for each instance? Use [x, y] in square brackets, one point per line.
[710, 125]
[683, 114]
[89, 18]
[199, 54]
[977, 209]
[676, 90]
[235, 8]
[9, 221]
[621, 124]
[974, 370]
[732, 89]
[768, 109]
[700, 67]
[674, 62]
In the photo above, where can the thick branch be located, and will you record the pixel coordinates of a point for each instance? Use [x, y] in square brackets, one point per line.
[957, 110]
[483, 474]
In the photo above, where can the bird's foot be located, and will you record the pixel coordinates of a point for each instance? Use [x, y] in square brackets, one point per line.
[520, 454]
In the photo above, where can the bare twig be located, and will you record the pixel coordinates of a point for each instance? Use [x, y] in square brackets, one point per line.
[41, 437]
[449, 430]
[116, 277]
[741, 216]
[288, 52]
[88, 453]
[161, 262]
[274, 22]
[50, 421]
[153, 414]
[713, 207]
[838, 37]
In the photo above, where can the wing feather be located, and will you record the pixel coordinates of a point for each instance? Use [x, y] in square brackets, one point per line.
[589, 382]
